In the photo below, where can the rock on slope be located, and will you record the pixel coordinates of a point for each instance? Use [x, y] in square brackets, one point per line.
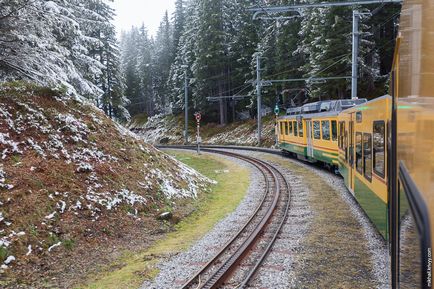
[70, 178]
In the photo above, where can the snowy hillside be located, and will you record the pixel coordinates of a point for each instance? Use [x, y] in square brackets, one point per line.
[68, 172]
[161, 129]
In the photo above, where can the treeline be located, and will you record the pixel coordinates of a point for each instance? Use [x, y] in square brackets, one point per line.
[214, 43]
[70, 44]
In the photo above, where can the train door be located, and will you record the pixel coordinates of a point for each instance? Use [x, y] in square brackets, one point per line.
[351, 153]
[309, 138]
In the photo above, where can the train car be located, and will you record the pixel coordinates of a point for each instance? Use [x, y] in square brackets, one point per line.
[292, 136]
[363, 157]
[311, 133]
[411, 179]
[386, 149]
[322, 137]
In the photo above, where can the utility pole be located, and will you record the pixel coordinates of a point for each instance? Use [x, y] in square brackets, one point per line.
[354, 75]
[258, 95]
[185, 104]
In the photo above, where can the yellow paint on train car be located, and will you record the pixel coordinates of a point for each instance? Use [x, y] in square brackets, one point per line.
[363, 157]
[414, 89]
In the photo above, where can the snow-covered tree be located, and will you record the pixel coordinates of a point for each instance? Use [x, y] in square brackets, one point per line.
[63, 42]
[163, 58]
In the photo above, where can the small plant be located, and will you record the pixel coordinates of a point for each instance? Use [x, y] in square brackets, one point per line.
[62, 89]
[33, 230]
[16, 159]
[68, 244]
[53, 239]
[3, 253]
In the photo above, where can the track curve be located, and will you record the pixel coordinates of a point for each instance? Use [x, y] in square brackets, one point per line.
[256, 237]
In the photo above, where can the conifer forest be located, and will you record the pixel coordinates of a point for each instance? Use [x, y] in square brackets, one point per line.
[213, 45]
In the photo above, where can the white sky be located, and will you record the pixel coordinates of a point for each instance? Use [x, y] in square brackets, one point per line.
[136, 12]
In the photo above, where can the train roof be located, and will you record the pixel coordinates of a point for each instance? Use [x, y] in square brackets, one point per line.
[323, 108]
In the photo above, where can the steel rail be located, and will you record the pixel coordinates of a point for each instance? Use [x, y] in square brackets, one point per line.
[196, 276]
[226, 269]
[276, 234]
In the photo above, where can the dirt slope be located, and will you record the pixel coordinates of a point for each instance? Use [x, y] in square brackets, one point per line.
[74, 186]
[168, 129]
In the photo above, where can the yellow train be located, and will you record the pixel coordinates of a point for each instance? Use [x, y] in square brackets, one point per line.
[384, 148]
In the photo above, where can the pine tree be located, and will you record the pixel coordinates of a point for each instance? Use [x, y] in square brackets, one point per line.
[163, 58]
[185, 58]
[178, 24]
[210, 69]
[130, 68]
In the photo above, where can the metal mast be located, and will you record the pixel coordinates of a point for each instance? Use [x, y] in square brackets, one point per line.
[258, 95]
[354, 75]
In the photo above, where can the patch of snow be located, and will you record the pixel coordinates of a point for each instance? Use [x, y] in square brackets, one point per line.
[3, 184]
[9, 260]
[51, 216]
[84, 168]
[54, 246]
[61, 206]
[29, 250]
[111, 200]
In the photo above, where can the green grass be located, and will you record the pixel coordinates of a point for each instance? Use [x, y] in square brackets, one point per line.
[132, 269]
[140, 119]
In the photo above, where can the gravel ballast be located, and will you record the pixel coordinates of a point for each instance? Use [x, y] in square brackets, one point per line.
[327, 240]
[178, 269]
[342, 249]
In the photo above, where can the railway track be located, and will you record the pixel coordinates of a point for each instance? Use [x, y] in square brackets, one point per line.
[237, 263]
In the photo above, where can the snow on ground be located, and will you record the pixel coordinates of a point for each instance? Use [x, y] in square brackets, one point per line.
[162, 129]
[33, 133]
[159, 127]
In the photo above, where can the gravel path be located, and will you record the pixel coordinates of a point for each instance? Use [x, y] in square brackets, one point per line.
[178, 269]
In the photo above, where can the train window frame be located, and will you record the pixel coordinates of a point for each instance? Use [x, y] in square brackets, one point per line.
[316, 130]
[334, 130]
[374, 147]
[359, 117]
[281, 127]
[290, 127]
[367, 174]
[341, 135]
[300, 129]
[327, 130]
[345, 145]
[295, 126]
[286, 128]
[359, 147]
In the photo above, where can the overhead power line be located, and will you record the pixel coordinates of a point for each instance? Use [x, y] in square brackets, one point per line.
[280, 9]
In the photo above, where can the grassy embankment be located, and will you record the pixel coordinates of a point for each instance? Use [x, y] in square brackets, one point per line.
[232, 182]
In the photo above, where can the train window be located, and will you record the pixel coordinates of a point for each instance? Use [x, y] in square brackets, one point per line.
[359, 164]
[359, 116]
[300, 128]
[295, 128]
[281, 127]
[379, 148]
[334, 131]
[316, 130]
[341, 134]
[367, 155]
[345, 144]
[290, 127]
[325, 124]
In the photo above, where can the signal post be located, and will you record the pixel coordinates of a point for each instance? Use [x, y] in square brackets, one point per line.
[198, 117]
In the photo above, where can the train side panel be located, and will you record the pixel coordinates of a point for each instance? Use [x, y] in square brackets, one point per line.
[324, 139]
[363, 157]
[292, 136]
